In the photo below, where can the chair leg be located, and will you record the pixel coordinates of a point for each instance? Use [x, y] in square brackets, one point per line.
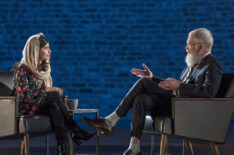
[190, 147]
[215, 148]
[22, 150]
[72, 144]
[183, 147]
[26, 143]
[166, 145]
[47, 144]
[152, 144]
[162, 145]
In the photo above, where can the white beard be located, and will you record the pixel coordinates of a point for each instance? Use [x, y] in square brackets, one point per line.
[192, 59]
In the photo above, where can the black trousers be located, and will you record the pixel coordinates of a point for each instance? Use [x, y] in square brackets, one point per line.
[145, 97]
[61, 120]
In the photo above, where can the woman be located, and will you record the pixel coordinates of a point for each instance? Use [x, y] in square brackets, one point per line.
[33, 85]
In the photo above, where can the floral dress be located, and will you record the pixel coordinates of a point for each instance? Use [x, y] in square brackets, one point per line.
[30, 91]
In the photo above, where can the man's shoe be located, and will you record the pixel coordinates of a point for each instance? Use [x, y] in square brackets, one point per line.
[100, 124]
[129, 152]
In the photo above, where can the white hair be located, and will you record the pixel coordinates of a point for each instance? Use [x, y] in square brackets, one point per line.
[204, 36]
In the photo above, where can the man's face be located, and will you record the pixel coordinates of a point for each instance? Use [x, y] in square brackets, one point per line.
[193, 53]
[192, 46]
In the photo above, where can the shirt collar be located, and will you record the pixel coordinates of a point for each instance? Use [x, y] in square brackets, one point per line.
[206, 54]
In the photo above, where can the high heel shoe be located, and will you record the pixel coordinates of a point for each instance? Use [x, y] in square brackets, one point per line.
[76, 139]
[84, 135]
[61, 150]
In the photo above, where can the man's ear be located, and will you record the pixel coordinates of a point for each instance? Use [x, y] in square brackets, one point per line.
[201, 46]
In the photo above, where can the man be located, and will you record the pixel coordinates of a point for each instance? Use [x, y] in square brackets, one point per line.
[150, 94]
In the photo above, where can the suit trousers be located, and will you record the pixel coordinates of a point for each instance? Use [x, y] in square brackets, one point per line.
[145, 97]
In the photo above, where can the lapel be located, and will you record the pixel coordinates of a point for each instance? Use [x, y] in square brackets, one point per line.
[184, 73]
[200, 68]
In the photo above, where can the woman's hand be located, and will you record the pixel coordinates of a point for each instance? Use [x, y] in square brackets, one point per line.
[142, 73]
[48, 89]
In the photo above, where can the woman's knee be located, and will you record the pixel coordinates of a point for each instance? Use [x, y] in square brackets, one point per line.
[53, 95]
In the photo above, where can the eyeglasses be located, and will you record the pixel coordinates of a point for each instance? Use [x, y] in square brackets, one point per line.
[188, 44]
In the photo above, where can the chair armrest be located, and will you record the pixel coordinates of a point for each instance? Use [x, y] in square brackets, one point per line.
[203, 118]
[202, 99]
[9, 113]
[65, 97]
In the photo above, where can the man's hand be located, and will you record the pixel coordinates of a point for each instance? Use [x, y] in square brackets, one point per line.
[142, 73]
[170, 84]
[55, 89]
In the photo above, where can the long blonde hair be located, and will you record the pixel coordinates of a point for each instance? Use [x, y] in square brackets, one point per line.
[31, 59]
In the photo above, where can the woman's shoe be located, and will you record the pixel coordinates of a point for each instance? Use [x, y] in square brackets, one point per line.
[61, 150]
[82, 134]
[85, 135]
[76, 139]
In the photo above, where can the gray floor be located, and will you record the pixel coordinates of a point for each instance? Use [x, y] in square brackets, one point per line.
[115, 145]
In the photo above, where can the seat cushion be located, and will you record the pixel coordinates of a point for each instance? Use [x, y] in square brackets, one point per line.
[34, 124]
[159, 125]
[163, 125]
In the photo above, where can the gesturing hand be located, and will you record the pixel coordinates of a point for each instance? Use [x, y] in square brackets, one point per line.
[170, 84]
[142, 73]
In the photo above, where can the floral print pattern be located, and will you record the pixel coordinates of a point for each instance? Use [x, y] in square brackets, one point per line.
[30, 91]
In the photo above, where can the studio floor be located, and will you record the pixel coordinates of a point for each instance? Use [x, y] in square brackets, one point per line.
[116, 145]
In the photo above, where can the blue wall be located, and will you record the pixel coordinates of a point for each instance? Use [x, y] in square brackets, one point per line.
[96, 42]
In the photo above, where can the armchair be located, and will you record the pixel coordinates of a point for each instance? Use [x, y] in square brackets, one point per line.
[15, 126]
[205, 119]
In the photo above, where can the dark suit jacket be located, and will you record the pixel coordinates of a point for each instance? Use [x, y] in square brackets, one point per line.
[204, 81]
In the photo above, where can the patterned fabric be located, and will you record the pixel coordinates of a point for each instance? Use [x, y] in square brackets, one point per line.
[30, 91]
[30, 59]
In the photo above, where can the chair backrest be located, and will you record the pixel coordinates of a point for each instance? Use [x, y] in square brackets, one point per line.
[6, 83]
[227, 86]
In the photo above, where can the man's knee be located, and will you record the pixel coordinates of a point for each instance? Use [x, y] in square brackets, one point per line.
[143, 80]
[146, 81]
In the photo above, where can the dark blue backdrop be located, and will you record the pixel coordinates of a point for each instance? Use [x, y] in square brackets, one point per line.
[96, 42]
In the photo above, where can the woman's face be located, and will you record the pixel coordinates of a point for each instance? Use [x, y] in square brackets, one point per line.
[45, 52]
